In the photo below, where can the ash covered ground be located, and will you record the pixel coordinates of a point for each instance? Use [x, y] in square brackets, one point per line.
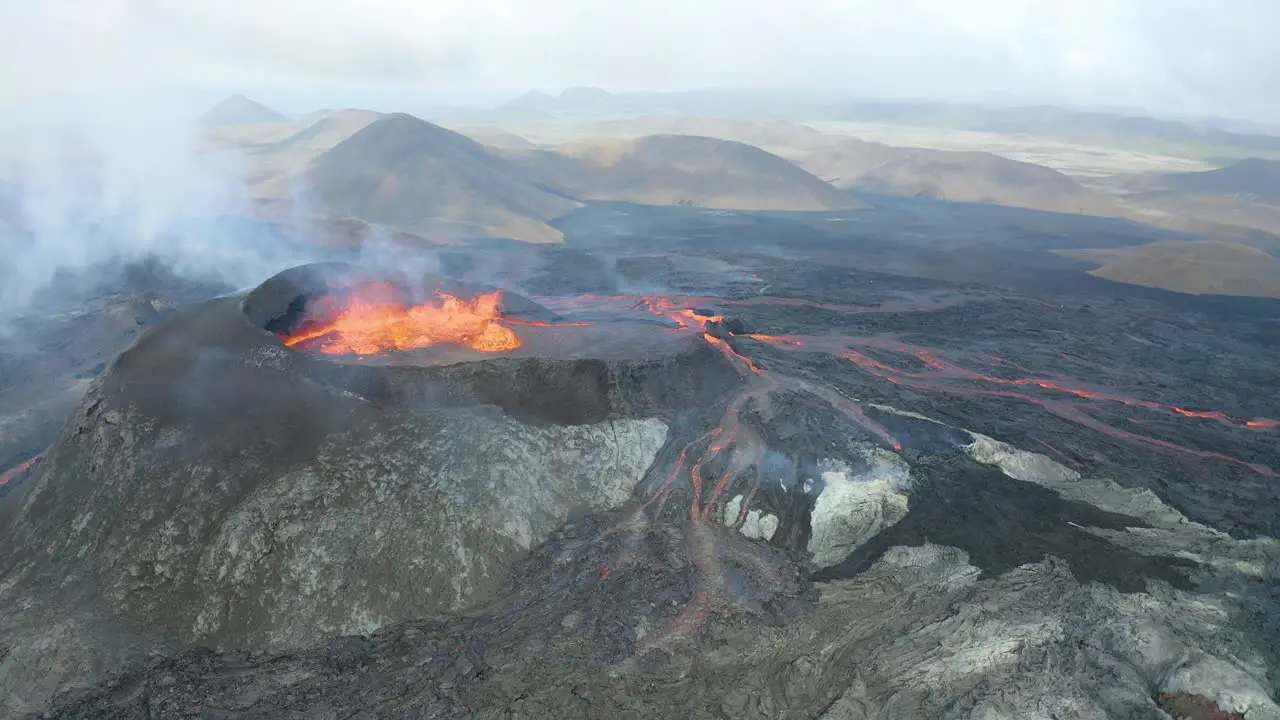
[895, 463]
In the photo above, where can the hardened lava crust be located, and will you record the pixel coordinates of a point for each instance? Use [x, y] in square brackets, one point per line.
[741, 475]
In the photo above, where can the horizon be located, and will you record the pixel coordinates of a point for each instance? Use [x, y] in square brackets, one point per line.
[1178, 58]
[190, 103]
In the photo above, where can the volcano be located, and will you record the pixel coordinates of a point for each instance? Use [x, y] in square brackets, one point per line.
[736, 480]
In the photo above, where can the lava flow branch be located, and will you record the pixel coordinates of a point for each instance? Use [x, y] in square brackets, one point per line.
[375, 319]
[927, 369]
[727, 460]
[21, 469]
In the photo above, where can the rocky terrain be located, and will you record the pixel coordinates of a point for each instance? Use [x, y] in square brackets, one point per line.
[507, 173]
[895, 462]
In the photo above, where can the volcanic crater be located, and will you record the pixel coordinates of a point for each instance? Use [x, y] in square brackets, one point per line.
[777, 490]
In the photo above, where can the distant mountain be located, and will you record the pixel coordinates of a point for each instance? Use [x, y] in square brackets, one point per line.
[1204, 137]
[1252, 179]
[981, 177]
[685, 170]
[583, 96]
[240, 110]
[532, 106]
[962, 176]
[328, 129]
[496, 137]
[769, 135]
[1077, 126]
[1205, 266]
[407, 173]
[842, 161]
[595, 102]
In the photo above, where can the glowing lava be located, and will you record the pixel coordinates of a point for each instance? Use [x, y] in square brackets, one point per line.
[374, 320]
[19, 470]
[727, 460]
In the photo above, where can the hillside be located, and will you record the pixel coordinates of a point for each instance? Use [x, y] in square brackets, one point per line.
[981, 177]
[1251, 179]
[683, 169]
[326, 131]
[407, 173]
[770, 135]
[842, 161]
[776, 136]
[240, 110]
[496, 137]
[1203, 266]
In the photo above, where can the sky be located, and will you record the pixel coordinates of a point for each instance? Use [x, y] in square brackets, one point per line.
[1200, 57]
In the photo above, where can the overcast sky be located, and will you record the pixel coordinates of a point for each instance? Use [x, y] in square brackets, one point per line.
[1188, 56]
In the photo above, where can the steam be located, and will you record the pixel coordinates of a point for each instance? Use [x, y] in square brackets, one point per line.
[106, 184]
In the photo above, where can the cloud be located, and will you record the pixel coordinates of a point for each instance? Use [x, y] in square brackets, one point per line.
[1178, 55]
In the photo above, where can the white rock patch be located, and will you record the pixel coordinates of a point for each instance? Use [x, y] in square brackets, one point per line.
[756, 525]
[853, 507]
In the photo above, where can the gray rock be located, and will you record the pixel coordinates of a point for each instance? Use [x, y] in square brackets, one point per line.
[217, 495]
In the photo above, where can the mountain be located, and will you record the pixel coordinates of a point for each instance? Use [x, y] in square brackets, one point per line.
[1240, 202]
[328, 130]
[1107, 129]
[1202, 266]
[497, 137]
[1251, 179]
[982, 177]
[685, 170]
[240, 110]
[1128, 129]
[841, 161]
[771, 135]
[408, 173]
[534, 100]
[595, 102]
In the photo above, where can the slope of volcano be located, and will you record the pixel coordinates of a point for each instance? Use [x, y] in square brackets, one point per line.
[727, 469]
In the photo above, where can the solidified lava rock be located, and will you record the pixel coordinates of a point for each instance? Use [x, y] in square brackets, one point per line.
[217, 488]
[398, 539]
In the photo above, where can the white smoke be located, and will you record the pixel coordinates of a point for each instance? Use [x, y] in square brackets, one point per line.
[106, 182]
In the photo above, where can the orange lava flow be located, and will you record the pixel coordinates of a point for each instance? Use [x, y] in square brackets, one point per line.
[17, 471]
[372, 321]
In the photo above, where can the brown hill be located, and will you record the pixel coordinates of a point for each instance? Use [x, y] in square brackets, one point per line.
[1250, 180]
[770, 135]
[1199, 266]
[407, 173]
[987, 178]
[1240, 201]
[843, 161]
[685, 169]
[963, 176]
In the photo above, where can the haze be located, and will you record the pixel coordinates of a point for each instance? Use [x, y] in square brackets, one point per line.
[1196, 57]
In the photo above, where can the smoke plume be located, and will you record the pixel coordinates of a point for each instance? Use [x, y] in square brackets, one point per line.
[97, 185]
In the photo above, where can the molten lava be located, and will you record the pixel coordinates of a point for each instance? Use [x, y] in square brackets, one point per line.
[20, 469]
[374, 320]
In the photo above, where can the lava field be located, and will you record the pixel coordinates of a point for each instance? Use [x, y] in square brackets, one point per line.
[687, 464]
